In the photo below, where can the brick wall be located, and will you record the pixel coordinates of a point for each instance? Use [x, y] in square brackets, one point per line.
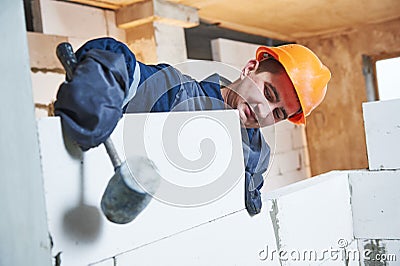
[62, 21]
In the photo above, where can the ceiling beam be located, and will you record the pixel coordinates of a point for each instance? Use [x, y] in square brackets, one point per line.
[155, 10]
[107, 4]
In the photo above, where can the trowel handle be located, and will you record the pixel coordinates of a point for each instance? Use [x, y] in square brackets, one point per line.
[67, 57]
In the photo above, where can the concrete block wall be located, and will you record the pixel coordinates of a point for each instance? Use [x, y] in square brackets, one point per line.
[327, 212]
[372, 236]
[374, 194]
[235, 239]
[289, 151]
[78, 22]
[154, 29]
[289, 155]
[74, 183]
[46, 71]
[304, 223]
[382, 132]
[63, 21]
[338, 218]
[376, 216]
[341, 218]
[219, 233]
[153, 42]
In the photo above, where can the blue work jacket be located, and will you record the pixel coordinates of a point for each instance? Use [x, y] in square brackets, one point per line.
[91, 104]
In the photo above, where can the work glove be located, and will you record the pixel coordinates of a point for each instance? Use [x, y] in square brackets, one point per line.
[90, 105]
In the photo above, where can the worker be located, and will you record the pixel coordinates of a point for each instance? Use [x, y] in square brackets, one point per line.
[285, 82]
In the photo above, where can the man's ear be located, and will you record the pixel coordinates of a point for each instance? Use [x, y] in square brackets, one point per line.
[252, 65]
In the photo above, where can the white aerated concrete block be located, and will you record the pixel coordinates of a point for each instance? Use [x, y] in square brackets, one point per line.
[285, 126]
[74, 182]
[314, 215]
[348, 255]
[112, 29]
[108, 262]
[236, 239]
[73, 20]
[45, 87]
[284, 141]
[305, 158]
[42, 51]
[375, 202]
[288, 161]
[382, 130]
[273, 169]
[272, 182]
[279, 137]
[76, 43]
[298, 137]
[233, 53]
[170, 42]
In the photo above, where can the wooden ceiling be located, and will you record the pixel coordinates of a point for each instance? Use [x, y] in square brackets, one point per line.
[283, 19]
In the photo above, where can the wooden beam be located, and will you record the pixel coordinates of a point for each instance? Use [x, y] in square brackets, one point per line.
[254, 30]
[142, 41]
[95, 3]
[135, 14]
[107, 4]
[156, 10]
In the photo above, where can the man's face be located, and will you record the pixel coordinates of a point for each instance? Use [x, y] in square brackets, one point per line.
[264, 98]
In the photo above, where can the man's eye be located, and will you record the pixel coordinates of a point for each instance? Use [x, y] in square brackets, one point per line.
[279, 114]
[269, 94]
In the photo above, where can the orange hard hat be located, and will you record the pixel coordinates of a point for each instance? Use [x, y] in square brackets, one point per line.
[307, 73]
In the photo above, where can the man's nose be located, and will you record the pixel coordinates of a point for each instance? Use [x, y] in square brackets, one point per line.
[263, 110]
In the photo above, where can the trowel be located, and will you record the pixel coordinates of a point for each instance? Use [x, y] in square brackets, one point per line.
[124, 197]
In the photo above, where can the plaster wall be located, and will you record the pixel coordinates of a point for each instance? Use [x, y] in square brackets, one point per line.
[335, 131]
[23, 227]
